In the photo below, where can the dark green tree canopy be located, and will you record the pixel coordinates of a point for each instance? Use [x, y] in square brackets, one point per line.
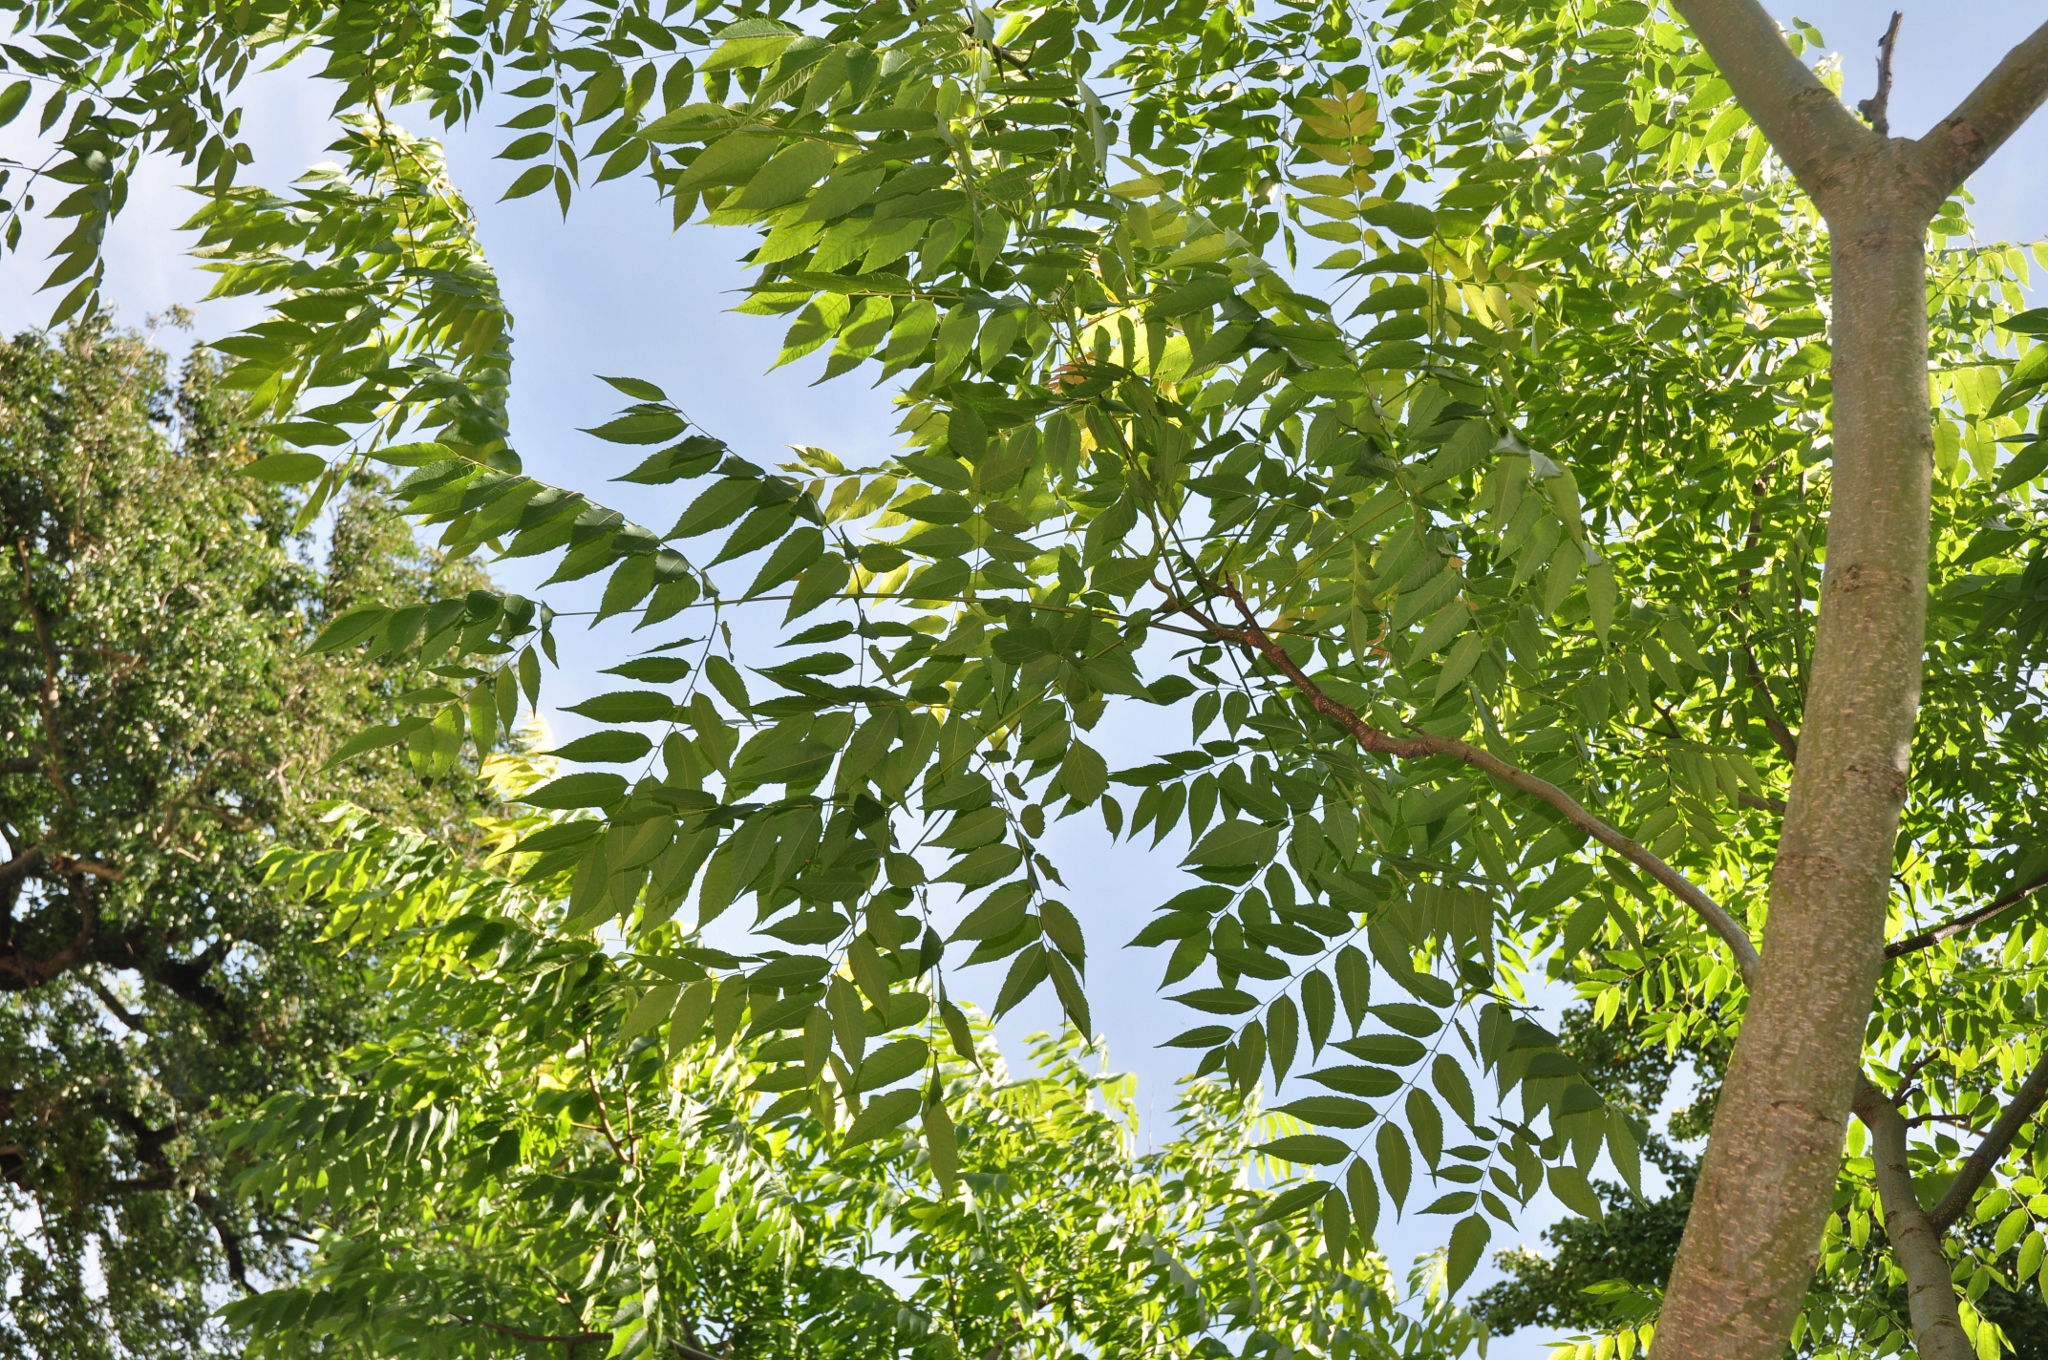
[162, 728]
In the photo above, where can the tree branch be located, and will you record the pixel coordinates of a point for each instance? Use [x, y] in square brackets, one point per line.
[1424, 745]
[1788, 742]
[1967, 921]
[1877, 108]
[1996, 1140]
[1803, 119]
[1916, 1241]
[1989, 114]
[568, 1341]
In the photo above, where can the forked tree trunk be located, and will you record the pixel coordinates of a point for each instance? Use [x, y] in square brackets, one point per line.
[1768, 1180]
[1766, 1187]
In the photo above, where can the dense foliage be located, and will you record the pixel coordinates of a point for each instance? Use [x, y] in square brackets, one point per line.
[163, 726]
[532, 1157]
[1490, 549]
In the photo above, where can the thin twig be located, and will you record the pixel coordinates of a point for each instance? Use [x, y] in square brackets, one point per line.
[604, 1122]
[1426, 744]
[1788, 742]
[1978, 1165]
[1877, 106]
[1967, 921]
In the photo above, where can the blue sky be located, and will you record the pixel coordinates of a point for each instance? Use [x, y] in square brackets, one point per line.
[613, 290]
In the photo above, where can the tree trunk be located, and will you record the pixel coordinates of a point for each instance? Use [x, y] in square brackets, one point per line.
[1765, 1189]
[1767, 1183]
[1916, 1239]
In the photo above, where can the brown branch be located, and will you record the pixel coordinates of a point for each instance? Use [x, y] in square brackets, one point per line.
[569, 1340]
[1877, 107]
[1993, 1146]
[1803, 119]
[113, 1004]
[1989, 114]
[1425, 745]
[1967, 921]
[1750, 800]
[604, 1122]
[1916, 1240]
[1020, 63]
[230, 1240]
[1788, 741]
[22, 972]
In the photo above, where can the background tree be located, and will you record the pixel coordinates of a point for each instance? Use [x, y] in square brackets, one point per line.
[162, 727]
[1496, 557]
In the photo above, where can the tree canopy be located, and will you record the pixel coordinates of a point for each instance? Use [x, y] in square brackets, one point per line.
[1439, 402]
[163, 728]
[535, 1155]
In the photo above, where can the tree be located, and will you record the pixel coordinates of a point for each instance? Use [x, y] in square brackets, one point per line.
[162, 727]
[533, 1157]
[1506, 584]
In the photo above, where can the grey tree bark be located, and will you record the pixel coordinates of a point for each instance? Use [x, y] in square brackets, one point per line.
[1766, 1186]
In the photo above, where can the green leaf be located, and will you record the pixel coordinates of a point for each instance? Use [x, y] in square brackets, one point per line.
[375, 738]
[883, 1114]
[654, 670]
[788, 175]
[1235, 843]
[641, 427]
[605, 748]
[626, 705]
[1084, 775]
[1410, 220]
[1568, 1183]
[725, 678]
[287, 469]
[892, 1063]
[1283, 1030]
[1622, 1149]
[1394, 1050]
[1364, 1198]
[717, 506]
[1026, 972]
[1291, 1201]
[1372, 1082]
[1468, 1244]
[1307, 1149]
[354, 626]
[2026, 464]
[652, 1009]
[594, 789]
[1218, 1000]
[1354, 983]
[1425, 1125]
[1409, 1018]
[531, 181]
[942, 1146]
[1452, 1084]
[637, 388]
[1319, 1005]
[1340, 1112]
[1395, 1167]
[413, 455]
[13, 100]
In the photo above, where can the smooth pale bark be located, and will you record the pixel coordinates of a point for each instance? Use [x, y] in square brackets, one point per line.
[1766, 1186]
[1916, 1240]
